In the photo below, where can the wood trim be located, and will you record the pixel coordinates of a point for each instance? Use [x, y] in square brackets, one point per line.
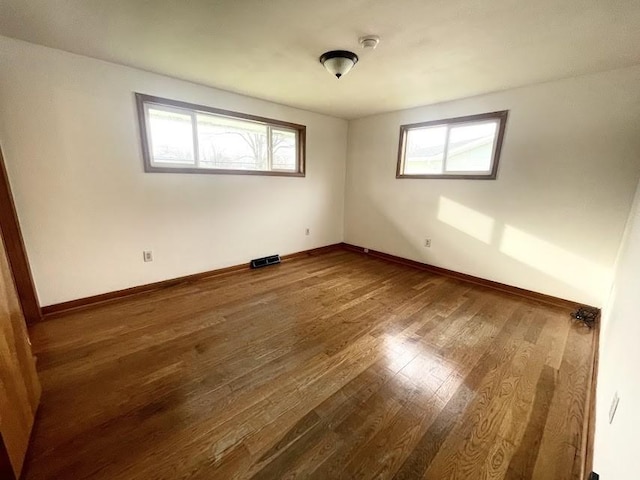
[144, 98]
[50, 311]
[301, 132]
[56, 309]
[402, 148]
[16, 251]
[311, 252]
[497, 115]
[489, 176]
[220, 171]
[540, 297]
[501, 116]
[590, 407]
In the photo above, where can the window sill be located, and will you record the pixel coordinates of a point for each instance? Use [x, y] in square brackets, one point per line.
[450, 177]
[212, 171]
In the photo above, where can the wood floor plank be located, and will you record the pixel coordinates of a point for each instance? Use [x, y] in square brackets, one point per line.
[467, 446]
[331, 366]
[524, 459]
[560, 454]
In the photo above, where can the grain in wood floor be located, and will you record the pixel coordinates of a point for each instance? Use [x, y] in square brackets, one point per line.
[332, 366]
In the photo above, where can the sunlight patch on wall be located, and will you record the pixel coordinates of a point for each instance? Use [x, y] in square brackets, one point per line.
[465, 219]
[548, 258]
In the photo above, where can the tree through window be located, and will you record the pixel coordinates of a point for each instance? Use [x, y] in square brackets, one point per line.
[195, 139]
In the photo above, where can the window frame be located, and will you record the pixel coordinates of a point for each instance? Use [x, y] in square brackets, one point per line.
[143, 101]
[500, 116]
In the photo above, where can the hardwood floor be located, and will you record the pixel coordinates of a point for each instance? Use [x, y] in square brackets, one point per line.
[331, 366]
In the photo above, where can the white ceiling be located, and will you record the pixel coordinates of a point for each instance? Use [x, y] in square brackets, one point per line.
[431, 50]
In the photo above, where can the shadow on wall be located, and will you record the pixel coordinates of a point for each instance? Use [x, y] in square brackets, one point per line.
[528, 259]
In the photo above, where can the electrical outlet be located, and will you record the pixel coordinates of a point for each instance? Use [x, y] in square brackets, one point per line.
[427, 242]
[147, 256]
[613, 407]
[307, 232]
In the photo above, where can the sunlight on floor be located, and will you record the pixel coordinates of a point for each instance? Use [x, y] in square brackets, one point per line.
[417, 363]
[398, 353]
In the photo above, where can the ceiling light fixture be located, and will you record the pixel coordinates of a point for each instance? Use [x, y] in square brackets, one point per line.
[338, 62]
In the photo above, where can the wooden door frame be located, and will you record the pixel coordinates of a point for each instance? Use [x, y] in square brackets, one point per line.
[16, 251]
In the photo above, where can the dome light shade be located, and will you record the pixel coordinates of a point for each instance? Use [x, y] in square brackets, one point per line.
[338, 62]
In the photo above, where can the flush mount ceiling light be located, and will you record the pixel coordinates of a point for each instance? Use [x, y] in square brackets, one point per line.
[338, 62]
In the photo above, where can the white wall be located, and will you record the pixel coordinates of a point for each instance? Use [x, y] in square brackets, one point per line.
[69, 132]
[616, 444]
[551, 222]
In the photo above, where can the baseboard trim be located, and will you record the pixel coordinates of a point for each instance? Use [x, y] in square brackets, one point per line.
[54, 310]
[531, 295]
[589, 429]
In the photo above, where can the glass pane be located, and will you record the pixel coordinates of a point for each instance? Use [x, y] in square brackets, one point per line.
[425, 150]
[231, 144]
[283, 143]
[171, 136]
[471, 147]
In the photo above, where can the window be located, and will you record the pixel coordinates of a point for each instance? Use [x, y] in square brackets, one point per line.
[464, 147]
[186, 138]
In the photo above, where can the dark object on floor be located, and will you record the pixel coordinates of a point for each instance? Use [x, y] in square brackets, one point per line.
[594, 476]
[587, 315]
[265, 261]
